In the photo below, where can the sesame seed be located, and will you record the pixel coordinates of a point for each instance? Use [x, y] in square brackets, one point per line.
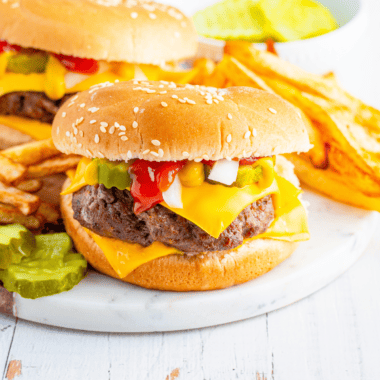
[80, 120]
[81, 133]
[137, 88]
[156, 142]
[74, 98]
[182, 101]
[154, 154]
[163, 92]
[70, 104]
[198, 159]
[103, 129]
[136, 109]
[216, 101]
[93, 109]
[67, 133]
[135, 124]
[82, 105]
[209, 101]
[96, 139]
[161, 152]
[88, 152]
[254, 132]
[229, 116]
[100, 154]
[112, 130]
[175, 96]
[75, 130]
[134, 15]
[124, 138]
[104, 124]
[164, 104]
[247, 134]
[152, 16]
[57, 130]
[189, 101]
[229, 138]
[146, 151]
[117, 125]
[164, 82]
[272, 110]
[63, 114]
[79, 145]
[185, 154]
[205, 157]
[149, 91]
[122, 128]
[92, 121]
[121, 133]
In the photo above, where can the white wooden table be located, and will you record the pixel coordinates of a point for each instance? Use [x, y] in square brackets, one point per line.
[333, 334]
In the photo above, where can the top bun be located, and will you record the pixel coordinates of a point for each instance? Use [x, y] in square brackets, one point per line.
[112, 30]
[161, 121]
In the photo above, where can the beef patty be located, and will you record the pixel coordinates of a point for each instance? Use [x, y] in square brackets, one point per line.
[109, 212]
[33, 105]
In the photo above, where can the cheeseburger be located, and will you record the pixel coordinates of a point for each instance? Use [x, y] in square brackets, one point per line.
[50, 50]
[180, 187]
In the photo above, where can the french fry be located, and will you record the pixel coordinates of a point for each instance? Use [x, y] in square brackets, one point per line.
[270, 65]
[30, 185]
[240, 75]
[25, 202]
[31, 153]
[216, 79]
[205, 69]
[48, 212]
[52, 166]
[9, 214]
[10, 171]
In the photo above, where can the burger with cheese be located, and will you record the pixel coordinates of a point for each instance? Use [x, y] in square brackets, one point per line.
[180, 187]
[50, 50]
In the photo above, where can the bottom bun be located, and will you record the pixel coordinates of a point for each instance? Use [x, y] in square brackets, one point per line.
[204, 271]
[329, 183]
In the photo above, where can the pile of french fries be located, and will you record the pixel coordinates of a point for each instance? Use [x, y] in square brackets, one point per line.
[22, 170]
[345, 160]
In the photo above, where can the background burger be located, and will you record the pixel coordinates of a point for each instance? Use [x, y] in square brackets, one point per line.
[179, 187]
[50, 50]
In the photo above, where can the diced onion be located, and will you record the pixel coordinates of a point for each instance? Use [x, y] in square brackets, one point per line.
[173, 195]
[224, 171]
[139, 74]
[72, 79]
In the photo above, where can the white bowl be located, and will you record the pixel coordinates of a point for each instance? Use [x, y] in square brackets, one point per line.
[318, 54]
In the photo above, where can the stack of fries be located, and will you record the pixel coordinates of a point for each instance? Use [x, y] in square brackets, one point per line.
[22, 169]
[345, 160]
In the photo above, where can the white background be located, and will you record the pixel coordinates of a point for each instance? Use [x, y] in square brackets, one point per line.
[331, 335]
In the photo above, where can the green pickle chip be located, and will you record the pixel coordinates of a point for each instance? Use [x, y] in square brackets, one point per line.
[16, 242]
[51, 268]
[27, 63]
[247, 175]
[114, 174]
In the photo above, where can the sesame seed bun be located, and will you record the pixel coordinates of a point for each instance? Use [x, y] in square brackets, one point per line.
[204, 271]
[111, 30]
[158, 121]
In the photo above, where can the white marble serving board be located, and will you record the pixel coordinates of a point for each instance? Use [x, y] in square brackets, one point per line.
[339, 235]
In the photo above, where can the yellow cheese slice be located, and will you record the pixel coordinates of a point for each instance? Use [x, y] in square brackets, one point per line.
[33, 128]
[290, 224]
[126, 257]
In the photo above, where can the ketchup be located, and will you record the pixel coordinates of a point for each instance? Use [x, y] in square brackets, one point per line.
[78, 65]
[5, 46]
[149, 180]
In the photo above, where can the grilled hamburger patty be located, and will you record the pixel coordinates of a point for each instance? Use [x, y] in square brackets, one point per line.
[109, 212]
[33, 105]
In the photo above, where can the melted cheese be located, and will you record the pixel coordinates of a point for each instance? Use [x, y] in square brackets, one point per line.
[33, 128]
[290, 224]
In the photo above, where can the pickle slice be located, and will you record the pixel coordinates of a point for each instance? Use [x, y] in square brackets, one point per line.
[50, 269]
[27, 63]
[16, 242]
[247, 175]
[114, 174]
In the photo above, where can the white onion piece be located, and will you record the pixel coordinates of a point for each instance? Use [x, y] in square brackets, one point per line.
[72, 79]
[173, 195]
[139, 74]
[224, 171]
